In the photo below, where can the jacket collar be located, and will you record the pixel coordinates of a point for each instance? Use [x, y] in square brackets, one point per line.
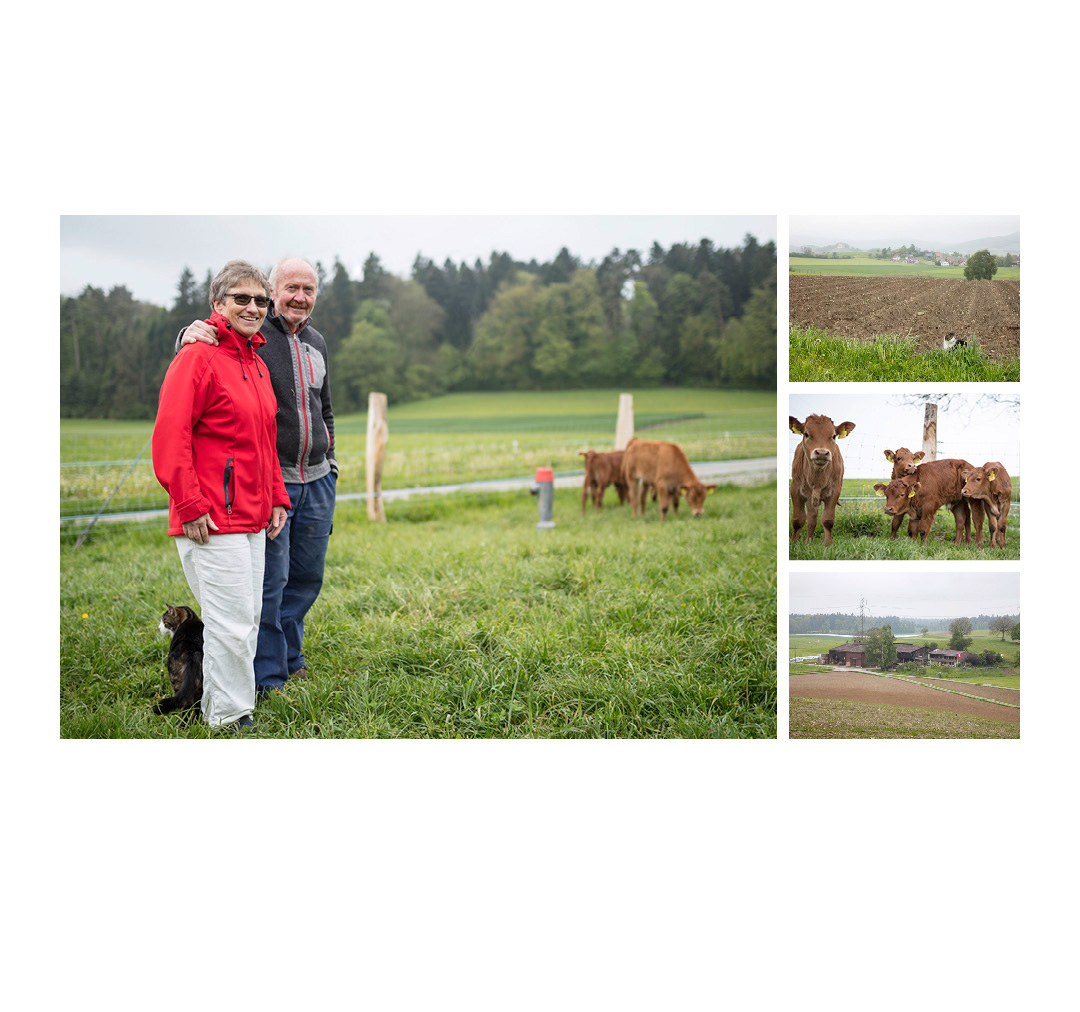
[226, 334]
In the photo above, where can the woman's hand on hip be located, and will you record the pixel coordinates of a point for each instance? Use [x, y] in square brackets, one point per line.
[277, 520]
[199, 529]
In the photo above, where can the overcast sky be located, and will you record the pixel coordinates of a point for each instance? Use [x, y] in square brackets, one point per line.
[907, 593]
[900, 229]
[975, 427]
[147, 253]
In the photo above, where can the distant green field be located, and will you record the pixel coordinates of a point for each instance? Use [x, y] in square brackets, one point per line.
[452, 439]
[860, 266]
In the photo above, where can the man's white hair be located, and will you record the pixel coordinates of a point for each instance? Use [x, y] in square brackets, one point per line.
[285, 260]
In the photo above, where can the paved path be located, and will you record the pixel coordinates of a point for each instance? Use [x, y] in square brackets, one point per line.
[863, 687]
[754, 471]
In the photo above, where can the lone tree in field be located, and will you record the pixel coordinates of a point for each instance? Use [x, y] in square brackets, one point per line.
[1002, 625]
[981, 266]
[960, 629]
[1014, 632]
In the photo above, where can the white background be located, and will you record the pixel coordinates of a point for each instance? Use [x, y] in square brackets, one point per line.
[538, 875]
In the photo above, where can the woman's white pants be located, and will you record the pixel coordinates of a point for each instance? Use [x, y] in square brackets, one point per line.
[226, 577]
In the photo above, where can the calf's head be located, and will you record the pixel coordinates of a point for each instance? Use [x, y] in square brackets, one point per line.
[904, 461]
[898, 494]
[819, 437]
[695, 496]
[979, 482]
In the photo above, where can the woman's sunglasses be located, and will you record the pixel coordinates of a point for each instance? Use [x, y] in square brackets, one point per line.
[242, 300]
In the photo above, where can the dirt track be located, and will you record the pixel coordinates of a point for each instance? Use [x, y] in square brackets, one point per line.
[930, 309]
[859, 687]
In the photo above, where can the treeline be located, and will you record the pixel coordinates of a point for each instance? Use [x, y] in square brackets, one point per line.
[837, 622]
[694, 314]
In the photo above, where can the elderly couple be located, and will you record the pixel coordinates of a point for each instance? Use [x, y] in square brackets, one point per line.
[244, 445]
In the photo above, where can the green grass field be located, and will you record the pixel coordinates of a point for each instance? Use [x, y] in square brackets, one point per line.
[816, 356]
[861, 266]
[448, 440]
[459, 619]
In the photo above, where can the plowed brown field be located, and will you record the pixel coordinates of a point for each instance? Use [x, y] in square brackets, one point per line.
[927, 308]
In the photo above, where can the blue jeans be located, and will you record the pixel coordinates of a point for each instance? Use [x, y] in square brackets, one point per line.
[292, 580]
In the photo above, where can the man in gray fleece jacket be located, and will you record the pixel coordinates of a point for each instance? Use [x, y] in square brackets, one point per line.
[296, 358]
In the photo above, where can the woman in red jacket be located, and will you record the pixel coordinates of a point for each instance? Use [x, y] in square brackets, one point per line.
[214, 453]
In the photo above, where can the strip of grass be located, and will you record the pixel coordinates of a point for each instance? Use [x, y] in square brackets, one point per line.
[872, 268]
[816, 356]
[838, 718]
[459, 619]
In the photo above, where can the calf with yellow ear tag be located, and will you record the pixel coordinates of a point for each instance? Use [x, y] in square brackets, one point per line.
[817, 474]
[991, 487]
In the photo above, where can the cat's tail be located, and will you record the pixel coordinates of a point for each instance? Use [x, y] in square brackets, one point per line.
[185, 699]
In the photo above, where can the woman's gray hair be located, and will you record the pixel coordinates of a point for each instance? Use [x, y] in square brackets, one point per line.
[233, 273]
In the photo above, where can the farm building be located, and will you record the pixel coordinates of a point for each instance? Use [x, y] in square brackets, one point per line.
[951, 658]
[911, 652]
[847, 655]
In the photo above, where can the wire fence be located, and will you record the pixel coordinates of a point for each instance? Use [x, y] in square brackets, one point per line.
[108, 468]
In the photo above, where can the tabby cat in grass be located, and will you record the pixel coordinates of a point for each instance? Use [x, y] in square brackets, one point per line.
[185, 658]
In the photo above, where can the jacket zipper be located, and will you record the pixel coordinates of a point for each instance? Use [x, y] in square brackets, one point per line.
[303, 406]
[230, 485]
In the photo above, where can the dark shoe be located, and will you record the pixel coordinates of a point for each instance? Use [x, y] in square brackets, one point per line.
[299, 673]
[244, 721]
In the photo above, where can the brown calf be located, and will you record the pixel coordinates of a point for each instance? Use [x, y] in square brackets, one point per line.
[990, 485]
[903, 462]
[649, 464]
[817, 473]
[920, 495]
[601, 470]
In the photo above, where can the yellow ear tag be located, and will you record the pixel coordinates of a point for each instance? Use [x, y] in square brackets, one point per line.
[842, 435]
[796, 431]
[877, 491]
[991, 477]
[889, 456]
[911, 494]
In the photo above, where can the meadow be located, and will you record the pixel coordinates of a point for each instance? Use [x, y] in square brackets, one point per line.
[458, 618]
[815, 355]
[446, 440]
[861, 266]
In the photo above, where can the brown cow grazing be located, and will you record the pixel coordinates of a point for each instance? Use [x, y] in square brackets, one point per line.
[649, 464]
[991, 485]
[817, 473]
[601, 470]
[920, 495]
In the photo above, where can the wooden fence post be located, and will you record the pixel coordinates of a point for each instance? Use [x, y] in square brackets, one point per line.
[929, 432]
[624, 427]
[378, 433]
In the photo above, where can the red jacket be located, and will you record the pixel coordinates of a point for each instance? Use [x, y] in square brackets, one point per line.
[215, 436]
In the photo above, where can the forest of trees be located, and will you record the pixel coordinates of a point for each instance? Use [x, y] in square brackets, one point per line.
[848, 625]
[692, 315]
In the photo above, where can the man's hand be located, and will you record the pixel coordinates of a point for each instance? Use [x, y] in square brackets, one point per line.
[199, 529]
[200, 330]
[277, 520]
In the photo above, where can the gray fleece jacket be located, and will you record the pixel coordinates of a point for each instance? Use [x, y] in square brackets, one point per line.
[305, 419]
